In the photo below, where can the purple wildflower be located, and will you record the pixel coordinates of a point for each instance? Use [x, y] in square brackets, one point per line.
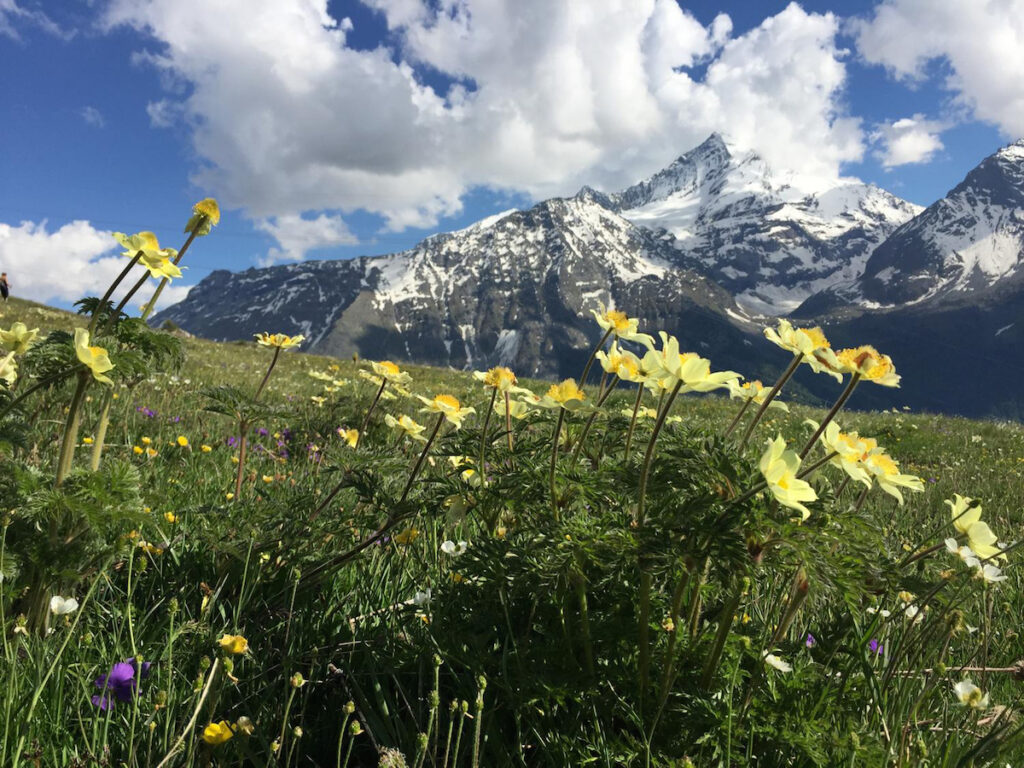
[876, 647]
[232, 441]
[173, 419]
[809, 641]
[262, 432]
[147, 412]
[122, 682]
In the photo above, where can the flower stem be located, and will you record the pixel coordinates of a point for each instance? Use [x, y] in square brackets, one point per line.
[820, 462]
[649, 455]
[483, 438]
[70, 437]
[593, 354]
[590, 422]
[554, 459]
[243, 430]
[366, 420]
[725, 621]
[423, 455]
[266, 376]
[195, 716]
[508, 420]
[110, 291]
[736, 421]
[786, 375]
[101, 430]
[636, 409]
[831, 414]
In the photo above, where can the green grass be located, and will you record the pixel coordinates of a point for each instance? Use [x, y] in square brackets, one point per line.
[532, 648]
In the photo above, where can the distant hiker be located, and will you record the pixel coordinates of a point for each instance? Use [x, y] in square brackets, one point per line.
[5, 287]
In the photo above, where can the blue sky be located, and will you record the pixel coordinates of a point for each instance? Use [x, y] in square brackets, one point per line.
[330, 130]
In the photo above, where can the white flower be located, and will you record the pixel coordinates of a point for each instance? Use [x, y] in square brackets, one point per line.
[990, 573]
[774, 661]
[451, 548]
[970, 695]
[61, 606]
[422, 598]
[884, 613]
[913, 613]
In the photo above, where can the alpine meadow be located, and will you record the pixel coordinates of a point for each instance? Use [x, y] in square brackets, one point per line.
[237, 553]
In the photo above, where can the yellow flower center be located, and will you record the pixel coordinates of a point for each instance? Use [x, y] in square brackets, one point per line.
[500, 377]
[446, 402]
[566, 391]
[390, 367]
[619, 320]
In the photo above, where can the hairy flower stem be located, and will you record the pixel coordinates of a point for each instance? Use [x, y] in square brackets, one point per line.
[508, 420]
[816, 465]
[643, 638]
[554, 460]
[636, 410]
[163, 282]
[668, 673]
[725, 621]
[101, 430]
[590, 422]
[831, 414]
[735, 422]
[243, 428]
[786, 376]
[113, 286]
[478, 725]
[581, 596]
[483, 439]
[649, 455]
[195, 716]
[366, 419]
[71, 424]
[423, 455]
[593, 355]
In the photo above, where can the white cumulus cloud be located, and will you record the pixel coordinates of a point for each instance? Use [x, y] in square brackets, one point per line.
[980, 42]
[92, 116]
[67, 263]
[541, 97]
[908, 140]
[298, 236]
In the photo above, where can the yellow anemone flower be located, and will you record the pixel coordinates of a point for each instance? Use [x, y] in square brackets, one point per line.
[565, 395]
[517, 409]
[499, 378]
[779, 466]
[8, 369]
[755, 392]
[182, 441]
[809, 343]
[668, 367]
[233, 644]
[871, 364]
[205, 214]
[621, 326]
[216, 734]
[622, 363]
[95, 359]
[448, 406]
[391, 373]
[279, 340]
[350, 436]
[852, 450]
[408, 425]
[887, 472]
[966, 512]
[19, 338]
[154, 258]
[983, 542]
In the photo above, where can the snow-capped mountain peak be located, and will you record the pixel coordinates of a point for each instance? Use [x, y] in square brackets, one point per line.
[772, 237]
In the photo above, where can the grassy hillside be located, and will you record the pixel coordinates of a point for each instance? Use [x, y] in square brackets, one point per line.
[582, 604]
